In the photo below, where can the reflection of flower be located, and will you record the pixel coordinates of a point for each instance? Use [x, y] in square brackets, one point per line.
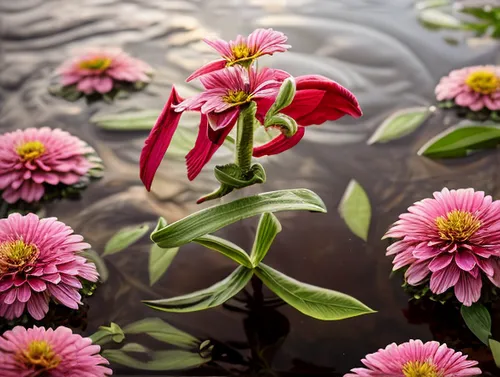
[98, 70]
[32, 160]
[38, 261]
[475, 88]
[453, 238]
[414, 358]
[51, 353]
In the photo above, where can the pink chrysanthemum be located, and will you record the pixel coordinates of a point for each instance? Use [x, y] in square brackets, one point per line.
[454, 238]
[98, 69]
[50, 353]
[39, 261]
[475, 87]
[243, 51]
[413, 359]
[32, 159]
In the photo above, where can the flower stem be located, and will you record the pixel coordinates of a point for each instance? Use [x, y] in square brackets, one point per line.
[244, 138]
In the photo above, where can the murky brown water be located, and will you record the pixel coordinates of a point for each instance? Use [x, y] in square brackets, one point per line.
[374, 47]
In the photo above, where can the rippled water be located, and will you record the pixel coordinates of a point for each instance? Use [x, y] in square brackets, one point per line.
[374, 47]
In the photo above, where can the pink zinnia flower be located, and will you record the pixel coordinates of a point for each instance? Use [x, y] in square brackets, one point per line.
[414, 358]
[98, 69]
[243, 51]
[475, 87]
[50, 353]
[454, 238]
[34, 158]
[39, 261]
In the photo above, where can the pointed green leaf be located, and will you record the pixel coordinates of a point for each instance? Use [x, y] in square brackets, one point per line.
[355, 209]
[460, 141]
[124, 238]
[283, 99]
[268, 229]
[159, 261]
[495, 350]
[129, 121]
[214, 218]
[210, 297]
[316, 302]
[399, 124]
[226, 248]
[478, 320]
[162, 331]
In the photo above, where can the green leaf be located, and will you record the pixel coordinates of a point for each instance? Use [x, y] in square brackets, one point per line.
[439, 19]
[162, 331]
[268, 229]
[134, 347]
[100, 265]
[283, 99]
[106, 334]
[478, 320]
[424, 4]
[460, 141]
[495, 350]
[287, 124]
[124, 238]
[316, 302]
[159, 261]
[226, 248]
[355, 209]
[214, 218]
[129, 121]
[210, 297]
[399, 124]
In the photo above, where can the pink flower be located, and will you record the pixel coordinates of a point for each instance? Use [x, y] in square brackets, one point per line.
[98, 69]
[38, 261]
[415, 358]
[454, 238]
[243, 51]
[50, 353]
[316, 101]
[472, 87]
[32, 159]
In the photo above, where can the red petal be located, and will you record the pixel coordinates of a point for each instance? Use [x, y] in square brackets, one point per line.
[303, 103]
[279, 144]
[159, 139]
[227, 118]
[207, 68]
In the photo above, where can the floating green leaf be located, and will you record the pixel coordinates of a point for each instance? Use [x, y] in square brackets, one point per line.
[355, 209]
[124, 238]
[399, 124]
[134, 347]
[316, 302]
[269, 227]
[215, 295]
[460, 141]
[159, 261]
[129, 121]
[226, 248]
[106, 334]
[478, 320]
[214, 218]
[495, 350]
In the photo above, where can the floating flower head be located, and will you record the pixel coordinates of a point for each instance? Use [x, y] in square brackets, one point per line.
[50, 353]
[36, 160]
[416, 359]
[39, 261]
[453, 238]
[243, 51]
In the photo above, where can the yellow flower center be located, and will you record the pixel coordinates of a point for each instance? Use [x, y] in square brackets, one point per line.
[30, 150]
[419, 369]
[96, 64]
[39, 356]
[484, 82]
[242, 55]
[241, 51]
[15, 255]
[457, 226]
[236, 97]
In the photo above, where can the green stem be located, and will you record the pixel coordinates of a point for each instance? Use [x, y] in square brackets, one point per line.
[244, 138]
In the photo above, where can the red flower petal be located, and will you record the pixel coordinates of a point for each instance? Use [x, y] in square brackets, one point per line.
[279, 144]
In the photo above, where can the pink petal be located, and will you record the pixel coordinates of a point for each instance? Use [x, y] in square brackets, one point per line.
[207, 68]
[227, 118]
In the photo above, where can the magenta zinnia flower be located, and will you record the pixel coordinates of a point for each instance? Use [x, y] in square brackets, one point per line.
[50, 353]
[34, 158]
[99, 69]
[475, 87]
[414, 358]
[243, 51]
[454, 238]
[39, 261]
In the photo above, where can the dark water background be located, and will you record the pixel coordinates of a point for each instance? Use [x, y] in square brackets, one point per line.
[374, 47]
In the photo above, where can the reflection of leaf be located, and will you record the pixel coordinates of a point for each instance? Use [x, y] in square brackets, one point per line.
[495, 350]
[100, 265]
[212, 296]
[399, 124]
[460, 141]
[355, 209]
[478, 320]
[268, 228]
[316, 302]
[129, 121]
[159, 261]
[124, 238]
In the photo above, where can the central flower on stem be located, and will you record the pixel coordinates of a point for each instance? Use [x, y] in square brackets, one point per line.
[30, 150]
[419, 369]
[40, 356]
[15, 255]
[457, 226]
[237, 97]
[96, 64]
[484, 82]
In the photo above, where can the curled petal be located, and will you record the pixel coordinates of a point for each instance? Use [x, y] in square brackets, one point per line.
[207, 68]
[279, 144]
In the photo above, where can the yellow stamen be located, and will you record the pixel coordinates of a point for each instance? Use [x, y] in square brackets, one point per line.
[39, 356]
[242, 55]
[484, 82]
[30, 150]
[236, 97]
[96, 64]
[15, 255]
[457, 226]
[419, 369]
